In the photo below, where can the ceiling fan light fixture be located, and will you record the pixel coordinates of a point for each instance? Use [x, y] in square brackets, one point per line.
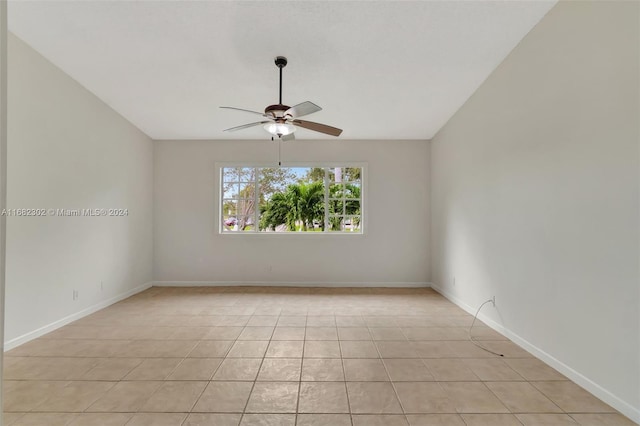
[280, 129]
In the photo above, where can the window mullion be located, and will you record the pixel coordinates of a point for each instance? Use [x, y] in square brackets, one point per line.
[326, 199]
[256, 203]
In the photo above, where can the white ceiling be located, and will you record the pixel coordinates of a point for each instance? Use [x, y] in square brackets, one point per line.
[380, 70]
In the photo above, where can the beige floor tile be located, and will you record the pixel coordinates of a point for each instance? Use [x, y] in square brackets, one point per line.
[473, 397]
[491, 420]
[267, 310]
[157, 349]
[323, 397]
[466, 349]
[174, 397]
[263, 320]
[238, 369]
[433, 349]
[387, 333]
[233, 320]
[407, 370]
[365, 370]
[424, 397]
[101, 419]
[521, 397]
[507, 348]
[224, 397]
[435, 333]
[481, 333]
[200, 419]
[602, 419]
[446, 370]
[354, 333]
[157, 419]
[379, 420]
[187, 333]
[280, 370]
[125, 397]
[358, 349]
[572, 398]
[435, 420]
[322, 370]
[396, 349]
[21, 396]
[268, 420]
[420, 342]
[153, 369]
[211, 349]
[222, 333]
[321, 321]
[288, 333]
[195, 369]
[492, 369]
[349, 321]
[256, 333]
[45, 368]
[285, 349]
[322, 349]
[75, 397]
[323, 420]
[372, 398]
[292, 321]
[8, 419]
[248, 349]
[48, 419]
[380, 321]
[321, 333]
[273, 397]
[534, 369]
[536, 419]
[112, 369]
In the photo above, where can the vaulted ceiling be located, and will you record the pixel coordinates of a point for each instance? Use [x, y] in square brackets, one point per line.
[381, 70]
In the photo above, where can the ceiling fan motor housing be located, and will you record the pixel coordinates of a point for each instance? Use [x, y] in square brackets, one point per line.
[277, 111]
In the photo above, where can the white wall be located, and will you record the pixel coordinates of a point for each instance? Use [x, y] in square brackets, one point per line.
[535, 197]
[188, 248]
[3, 177]
[67, 149]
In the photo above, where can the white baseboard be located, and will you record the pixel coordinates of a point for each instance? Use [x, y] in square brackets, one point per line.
[288, 284]
[624, 407]
[8, 345]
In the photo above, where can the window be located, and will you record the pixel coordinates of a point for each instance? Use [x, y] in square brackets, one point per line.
[291, 199]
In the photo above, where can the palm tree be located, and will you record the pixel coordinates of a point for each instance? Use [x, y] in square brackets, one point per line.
[301, 203]
[308, 199]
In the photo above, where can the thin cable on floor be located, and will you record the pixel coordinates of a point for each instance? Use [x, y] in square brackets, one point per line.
[474, 321]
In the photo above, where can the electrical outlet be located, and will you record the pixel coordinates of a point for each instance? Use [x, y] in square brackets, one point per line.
[101, 286]
[75, 294]
[454, 281]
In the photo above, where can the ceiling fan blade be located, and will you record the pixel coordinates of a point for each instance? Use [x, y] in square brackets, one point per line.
[317, 127]
[289, 137]
[247, 110]
[245, 126]
[305, 108]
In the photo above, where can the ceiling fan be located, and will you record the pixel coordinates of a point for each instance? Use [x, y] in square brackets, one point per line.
[282, 119]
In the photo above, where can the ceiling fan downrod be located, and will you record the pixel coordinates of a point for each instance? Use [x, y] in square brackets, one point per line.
[281, 62]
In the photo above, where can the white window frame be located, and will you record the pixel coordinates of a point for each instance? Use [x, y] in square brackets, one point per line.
[218, 215]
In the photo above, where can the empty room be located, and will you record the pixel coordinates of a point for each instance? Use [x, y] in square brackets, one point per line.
[308, 213]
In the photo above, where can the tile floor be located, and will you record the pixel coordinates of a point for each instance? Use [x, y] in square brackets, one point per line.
[286, 356]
